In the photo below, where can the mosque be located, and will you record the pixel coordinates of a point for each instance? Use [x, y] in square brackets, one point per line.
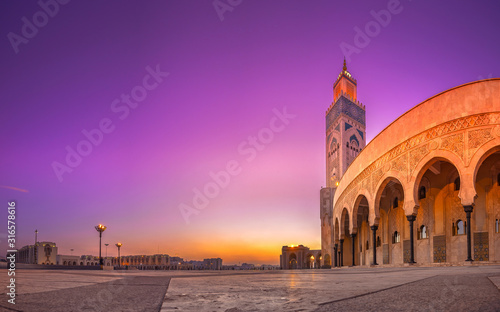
[425, 190]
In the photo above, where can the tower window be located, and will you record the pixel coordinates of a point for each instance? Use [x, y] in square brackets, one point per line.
[422, 232]
[347, 144]
[421, 192]
[396, 238]
[498, 179]
[459, 227]
[367, 246]
[396, 203]
[379, 242]
[497, 226]
[457, 184]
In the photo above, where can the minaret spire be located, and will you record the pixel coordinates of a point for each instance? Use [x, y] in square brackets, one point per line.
[345, 67]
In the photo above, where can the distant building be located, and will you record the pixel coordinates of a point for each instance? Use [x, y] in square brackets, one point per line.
[212, 264]
[40, 253]
[299, 257]
[46, 253]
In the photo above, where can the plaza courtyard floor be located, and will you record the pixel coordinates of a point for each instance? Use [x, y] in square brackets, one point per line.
[464, 288]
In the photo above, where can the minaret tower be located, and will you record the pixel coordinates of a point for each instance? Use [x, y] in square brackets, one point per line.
[345, 138]
[345, 127]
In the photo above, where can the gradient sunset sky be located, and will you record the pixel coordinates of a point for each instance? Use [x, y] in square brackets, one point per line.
[226, 78]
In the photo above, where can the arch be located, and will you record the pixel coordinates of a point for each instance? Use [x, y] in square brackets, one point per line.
[386, 178]
[478, 159]
[310, 260]
[427, 162]
[337, 231]
[343, 219]
[292, 261]
[422, 232]
[74, 262]
[65, 263]
[363, 194]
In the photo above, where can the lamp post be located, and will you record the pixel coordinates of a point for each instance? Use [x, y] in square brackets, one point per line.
[119, 258]
[106, 249]
[100, 228]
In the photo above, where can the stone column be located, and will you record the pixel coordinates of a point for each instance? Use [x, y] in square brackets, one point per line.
[342, 252]
[353, 249]
[468, 211]
[412, 252]
[374, 234]
[335, 255]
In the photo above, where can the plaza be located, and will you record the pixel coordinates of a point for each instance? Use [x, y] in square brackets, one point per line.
[416, 288]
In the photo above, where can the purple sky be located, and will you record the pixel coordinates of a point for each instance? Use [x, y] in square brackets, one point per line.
[225, 79]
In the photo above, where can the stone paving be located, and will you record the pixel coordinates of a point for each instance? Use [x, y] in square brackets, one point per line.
[469, 288]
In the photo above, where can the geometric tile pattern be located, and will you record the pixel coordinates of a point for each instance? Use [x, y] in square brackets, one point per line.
[345, 107]
[481, 246]
[406, 251]
[385, 254]
[439, 250]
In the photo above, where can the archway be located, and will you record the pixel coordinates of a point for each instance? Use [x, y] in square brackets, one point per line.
[346, 242]
[393, 226]
[336, 246]
[486, 214]
[362, 239]
[440, 213]
[317, 265]
[292, 261]
[310, 261]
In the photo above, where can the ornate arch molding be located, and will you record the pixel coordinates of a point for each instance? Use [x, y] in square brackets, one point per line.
[336, 230]
[484, 152]
[342, 221]
[355, 207]
[386, 178]
[428, 161]
[458, 141]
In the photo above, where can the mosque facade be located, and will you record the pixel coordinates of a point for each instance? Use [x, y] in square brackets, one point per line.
[425, 190]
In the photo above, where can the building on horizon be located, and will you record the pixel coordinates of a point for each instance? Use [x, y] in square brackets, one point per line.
[299, 257]
[40, 253]
[45, 253]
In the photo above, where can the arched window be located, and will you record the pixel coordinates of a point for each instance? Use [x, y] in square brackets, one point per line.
[460, 227]
[422, 232]
[367, 245]
[396, 238]
[396, 203]
[421, 192]
[379, 243]
[347, 144]
[497, 226]
[457, 184]
[498, 179]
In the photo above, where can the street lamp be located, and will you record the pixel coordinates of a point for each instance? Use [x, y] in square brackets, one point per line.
[100, 228]
[106, 249]
[119, 258]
